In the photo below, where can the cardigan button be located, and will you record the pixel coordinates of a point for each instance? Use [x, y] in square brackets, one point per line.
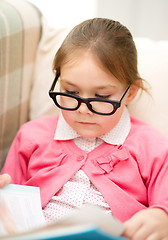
[80, 158]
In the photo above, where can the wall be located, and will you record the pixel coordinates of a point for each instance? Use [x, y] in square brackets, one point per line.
[66, 13]
[144, 18]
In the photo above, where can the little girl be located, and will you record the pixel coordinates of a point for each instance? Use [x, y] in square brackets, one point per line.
[94, 152]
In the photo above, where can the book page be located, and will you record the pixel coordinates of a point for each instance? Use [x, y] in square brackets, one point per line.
[24, 205]
[89, 222]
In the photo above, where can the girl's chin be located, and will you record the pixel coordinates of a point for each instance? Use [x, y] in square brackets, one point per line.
[88, 134]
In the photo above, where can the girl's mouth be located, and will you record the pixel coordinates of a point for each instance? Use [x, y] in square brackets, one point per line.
[86, 123]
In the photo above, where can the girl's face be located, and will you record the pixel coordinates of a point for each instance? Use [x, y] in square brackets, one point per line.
[85, 77]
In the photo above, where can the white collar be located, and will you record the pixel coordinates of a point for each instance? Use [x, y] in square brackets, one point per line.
[115, 136]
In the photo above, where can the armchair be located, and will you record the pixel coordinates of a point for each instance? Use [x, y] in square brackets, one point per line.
[27, 49]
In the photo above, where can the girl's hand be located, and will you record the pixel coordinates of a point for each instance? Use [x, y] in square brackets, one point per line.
[149, 224]
[4, 179]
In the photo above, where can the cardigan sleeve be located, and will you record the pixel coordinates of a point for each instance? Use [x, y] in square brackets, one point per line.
[17, 160]
[158, 181]
[154, 169]
[25, 144]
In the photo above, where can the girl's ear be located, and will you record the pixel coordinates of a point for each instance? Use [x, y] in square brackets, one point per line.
[133, 92]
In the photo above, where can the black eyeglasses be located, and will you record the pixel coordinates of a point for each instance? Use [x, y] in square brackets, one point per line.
[72, 102]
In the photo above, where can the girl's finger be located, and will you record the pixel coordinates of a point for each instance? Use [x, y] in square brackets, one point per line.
[4, 179]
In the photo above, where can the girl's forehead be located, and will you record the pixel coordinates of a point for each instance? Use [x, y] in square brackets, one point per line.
[81, 57]
[86, 80]
[83, 67]
[76, 55]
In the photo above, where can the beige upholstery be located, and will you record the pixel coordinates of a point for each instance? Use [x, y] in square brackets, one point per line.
[20, 31]
[153, 67]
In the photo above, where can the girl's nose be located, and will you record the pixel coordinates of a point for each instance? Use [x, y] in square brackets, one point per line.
[84, 109]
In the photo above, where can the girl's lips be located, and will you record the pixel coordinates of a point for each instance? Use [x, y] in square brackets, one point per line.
[86, 123]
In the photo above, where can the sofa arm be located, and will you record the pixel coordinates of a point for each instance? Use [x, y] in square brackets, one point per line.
[20, 30]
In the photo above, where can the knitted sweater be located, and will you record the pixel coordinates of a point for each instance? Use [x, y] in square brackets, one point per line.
[131, 176]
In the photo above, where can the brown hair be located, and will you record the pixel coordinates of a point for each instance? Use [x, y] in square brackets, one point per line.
[108, 40]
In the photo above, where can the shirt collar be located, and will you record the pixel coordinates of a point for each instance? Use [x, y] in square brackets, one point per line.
[115, 136]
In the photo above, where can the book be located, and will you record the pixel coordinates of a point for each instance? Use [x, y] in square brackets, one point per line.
[87, 223]
[24, 205]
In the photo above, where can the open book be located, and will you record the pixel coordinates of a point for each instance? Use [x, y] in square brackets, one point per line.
[89, 222]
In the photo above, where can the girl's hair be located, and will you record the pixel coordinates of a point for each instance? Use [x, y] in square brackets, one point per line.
[108, 40]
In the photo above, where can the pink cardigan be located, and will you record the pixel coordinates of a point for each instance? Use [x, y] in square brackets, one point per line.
[131, 177]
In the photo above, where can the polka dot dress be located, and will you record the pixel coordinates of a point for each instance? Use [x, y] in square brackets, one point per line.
[77, 191]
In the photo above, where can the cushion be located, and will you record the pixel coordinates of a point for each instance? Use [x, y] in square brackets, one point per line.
[153, 67]
[41, 105]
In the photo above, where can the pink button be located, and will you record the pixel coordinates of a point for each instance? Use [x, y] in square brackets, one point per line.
[80, 158]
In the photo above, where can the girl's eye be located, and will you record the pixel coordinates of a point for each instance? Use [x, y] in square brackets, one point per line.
[102, 96]
[71, 92]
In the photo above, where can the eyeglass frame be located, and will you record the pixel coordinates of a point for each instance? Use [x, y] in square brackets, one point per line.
[116, 104]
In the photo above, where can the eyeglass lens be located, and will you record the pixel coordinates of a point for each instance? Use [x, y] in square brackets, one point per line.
[71, 103]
